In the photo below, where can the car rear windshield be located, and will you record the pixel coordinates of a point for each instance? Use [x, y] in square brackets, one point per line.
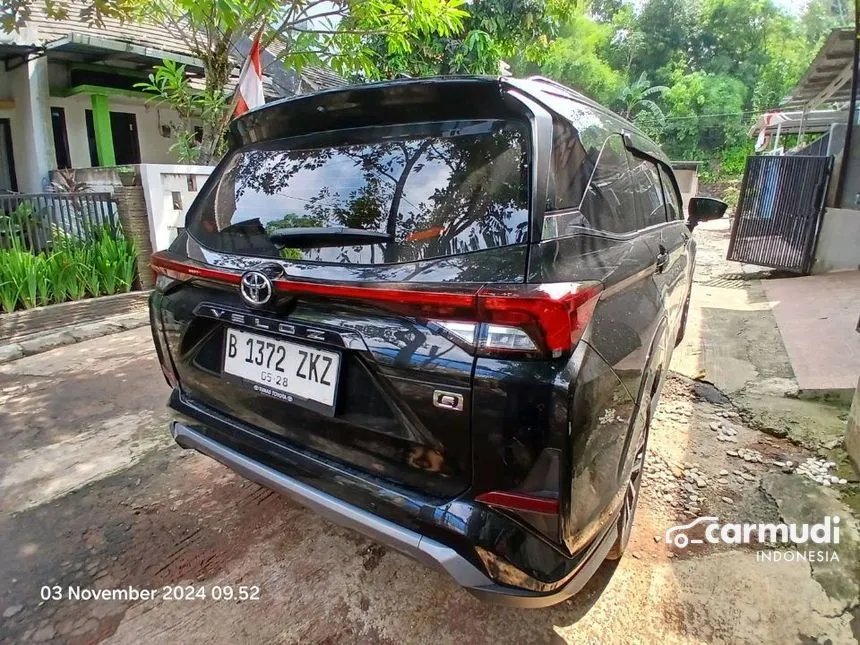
[430, 190]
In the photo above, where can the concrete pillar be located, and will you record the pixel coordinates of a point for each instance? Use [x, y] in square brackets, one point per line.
[33, 116]
[103, 132]
[135, 225]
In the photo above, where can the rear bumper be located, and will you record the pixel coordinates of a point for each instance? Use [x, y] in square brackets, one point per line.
[407, 541]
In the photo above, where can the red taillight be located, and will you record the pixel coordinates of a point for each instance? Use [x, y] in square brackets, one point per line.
[559, 312]
[520, 502]
[554, 314]
[178, 270]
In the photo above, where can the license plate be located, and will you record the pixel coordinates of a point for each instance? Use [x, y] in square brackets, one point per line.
[281, 369]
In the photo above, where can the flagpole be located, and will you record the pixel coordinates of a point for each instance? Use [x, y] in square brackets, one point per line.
[234, 100]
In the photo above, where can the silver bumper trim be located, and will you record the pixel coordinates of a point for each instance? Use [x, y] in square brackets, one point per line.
[381, 530]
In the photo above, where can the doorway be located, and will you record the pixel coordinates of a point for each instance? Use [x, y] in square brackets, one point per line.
[126, 145]
[61, 138]
[8, 180]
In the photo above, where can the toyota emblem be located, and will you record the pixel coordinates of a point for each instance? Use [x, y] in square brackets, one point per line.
[256, 288]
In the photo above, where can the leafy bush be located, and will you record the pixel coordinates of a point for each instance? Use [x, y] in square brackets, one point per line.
[734, 159]
[103, 264]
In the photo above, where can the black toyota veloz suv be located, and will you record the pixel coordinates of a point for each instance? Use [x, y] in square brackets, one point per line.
[437, 311]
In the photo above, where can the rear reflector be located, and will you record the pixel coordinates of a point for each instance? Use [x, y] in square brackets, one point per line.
[553, 314]
[520, 502]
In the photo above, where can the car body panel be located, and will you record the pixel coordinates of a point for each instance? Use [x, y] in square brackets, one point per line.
[559, 427]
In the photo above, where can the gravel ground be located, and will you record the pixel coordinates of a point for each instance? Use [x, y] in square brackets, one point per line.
[94, 496]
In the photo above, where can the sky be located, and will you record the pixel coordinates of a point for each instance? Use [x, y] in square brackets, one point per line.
[795, 7]
[792, 6]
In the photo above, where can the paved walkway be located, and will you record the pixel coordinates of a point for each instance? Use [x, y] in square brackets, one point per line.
[733, 341]
[817, 318]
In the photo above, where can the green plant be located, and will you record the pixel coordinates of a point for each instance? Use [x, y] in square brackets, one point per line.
[113, 261]
[65, 180]
[8, 293]
[101, 263]
[20, 272]
[19, 225]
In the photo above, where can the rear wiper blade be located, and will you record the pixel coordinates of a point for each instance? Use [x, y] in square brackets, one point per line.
[315, 237]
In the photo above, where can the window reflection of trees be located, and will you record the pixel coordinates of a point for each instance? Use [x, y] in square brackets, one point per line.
[435, 197]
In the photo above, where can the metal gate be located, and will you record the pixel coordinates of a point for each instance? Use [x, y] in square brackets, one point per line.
[779, 211]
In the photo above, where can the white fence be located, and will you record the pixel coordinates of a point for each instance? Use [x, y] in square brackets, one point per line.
[169, 190]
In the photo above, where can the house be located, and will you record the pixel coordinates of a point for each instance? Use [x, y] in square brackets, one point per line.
[67, 96]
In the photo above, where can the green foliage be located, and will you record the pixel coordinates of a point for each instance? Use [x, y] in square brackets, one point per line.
[693, 74]
[669, 29]
[636, 97]
[353, 37]
[576, 60]
[733, 159]
[18, 225]
[821, 16]
[724, 62]
[170, 85]
[704, 113]
[492, 30]
[103, 264]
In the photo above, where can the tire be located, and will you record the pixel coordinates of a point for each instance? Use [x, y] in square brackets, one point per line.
[631, 496]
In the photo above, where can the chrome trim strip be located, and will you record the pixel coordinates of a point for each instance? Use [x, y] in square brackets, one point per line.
[397, 537]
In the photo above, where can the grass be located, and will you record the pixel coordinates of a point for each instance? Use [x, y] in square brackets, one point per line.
[103, 264]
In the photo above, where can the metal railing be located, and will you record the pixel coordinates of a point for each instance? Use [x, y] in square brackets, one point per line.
[33, 221]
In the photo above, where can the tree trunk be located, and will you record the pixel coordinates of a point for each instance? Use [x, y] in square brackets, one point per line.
[391, 225]
[216, 67]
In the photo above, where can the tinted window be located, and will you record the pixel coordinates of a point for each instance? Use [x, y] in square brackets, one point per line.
[461, 189]
[648, 190]
[570, 168]
[608, 203]
[577, 141]
[674, 209]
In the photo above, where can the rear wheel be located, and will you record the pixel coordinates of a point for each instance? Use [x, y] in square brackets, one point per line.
[631, 494]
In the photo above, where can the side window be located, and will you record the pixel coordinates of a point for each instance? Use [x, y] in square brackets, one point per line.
[608, 203]
[649, 192]
[674, 210]
[570, 168]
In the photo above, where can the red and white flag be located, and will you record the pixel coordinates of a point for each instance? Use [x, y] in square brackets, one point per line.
[250, 87]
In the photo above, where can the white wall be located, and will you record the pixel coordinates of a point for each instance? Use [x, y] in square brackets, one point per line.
[30, 120]
[838, 247]
[6, 79]
[688, 182]
[159, 182]
[851, 187]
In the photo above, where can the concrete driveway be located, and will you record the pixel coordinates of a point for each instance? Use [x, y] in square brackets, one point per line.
[94, 496]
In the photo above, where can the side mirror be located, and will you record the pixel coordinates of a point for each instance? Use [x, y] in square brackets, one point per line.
[704, 209]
